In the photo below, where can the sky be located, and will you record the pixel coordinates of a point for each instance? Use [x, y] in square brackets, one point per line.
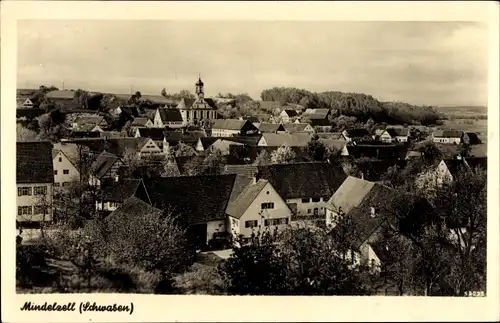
[435, 63]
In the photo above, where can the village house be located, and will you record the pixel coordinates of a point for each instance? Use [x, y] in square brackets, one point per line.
[355, 214]
[232, 127]
[449, 136]
[316, 117]
[298, 127]
[284, 139]
[168, 117]
[440, 173]
[288, 115]
[34, 181]
[271, 127]
[308, 188]
[390, 135]
[90, 123]
[65, 158]
[156, 134]
[336, 146]
[204, 143]
[258, 206]
[114, 195]
[104, 170]
[199, 109]
[198, 202]
[224, 146]
[141, 122]
[377, 151]
[26, 103]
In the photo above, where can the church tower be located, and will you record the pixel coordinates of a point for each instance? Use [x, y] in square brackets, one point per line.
[199, 89]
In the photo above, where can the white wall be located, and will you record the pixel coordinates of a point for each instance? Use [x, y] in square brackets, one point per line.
[304, 208]
[224, 132]
[280, 210]
[445, 140]
[32, 200]
[61, 163]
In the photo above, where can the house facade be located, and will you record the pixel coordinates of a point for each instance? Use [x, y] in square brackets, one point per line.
[232, 127]
[258, 207]
[168, 117]
[288, 116]
[65, 171]
[105, 169]
[34, 181]
[448, 136]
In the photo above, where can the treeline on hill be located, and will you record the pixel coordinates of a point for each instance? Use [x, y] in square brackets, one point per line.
[358, 105]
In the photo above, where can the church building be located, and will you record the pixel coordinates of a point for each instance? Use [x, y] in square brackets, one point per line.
[199, 110]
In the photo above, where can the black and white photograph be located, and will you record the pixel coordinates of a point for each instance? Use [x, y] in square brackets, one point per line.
[251, 158]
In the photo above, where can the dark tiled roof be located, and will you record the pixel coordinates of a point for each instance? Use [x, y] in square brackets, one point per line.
[291, 113]
[129, 110]
[103, 164]
[185, 104]
[473, 138]
[139, 122]
[295, 127]
[196, 199]
[374, 170]
[132, 208]
[357, 197]
[240, 183]
[245, 170]
[85, 134]
[298, 139]
[477, 162]
[232, 124]
[156, 134]
[34, 162]
[448, 133]
[207, 141]
[29, 112]
[304, 179]
[190, 137]
[237, 208]
[170, 115]
[121, 190]
[271, 127]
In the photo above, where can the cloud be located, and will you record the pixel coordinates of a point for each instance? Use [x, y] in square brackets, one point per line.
[418, 62]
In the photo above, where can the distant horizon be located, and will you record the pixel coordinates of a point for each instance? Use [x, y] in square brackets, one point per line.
[420, 63]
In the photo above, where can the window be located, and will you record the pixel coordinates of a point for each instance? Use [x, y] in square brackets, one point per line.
[266, 222]
[250, 224]
[22, 191]
[24, 210]
[315, 199]
[114, 204]
[55, 172]
[315, 211]
[305, 200]
[57, 184]
[39, 209]
[269, 205]
[60, 159]
[40, 190]
[65, 184]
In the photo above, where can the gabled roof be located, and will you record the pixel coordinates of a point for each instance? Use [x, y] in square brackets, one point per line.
[208, 141]
[245, 170]
[332, 143]
[185, 103]
[170, 115]
[295, 127]
[120, 146]
[196, 199]
[189, 137]
[90, 119]
[448, 134]
[247, 140]
[103, 164]
[231, 124]
[473, 138]
[139, 122]
[380, 151]
[302, 180]
[240, 183]
[316, 113]
[291, 113]
[121, 190]
[133, 207]
[34, 162]
[356, 198]
[398, 132]
[237, 208]
[156, 134]
[270, 127]
[70, 150]
[287, 139]
[66, 95]
[331, 135]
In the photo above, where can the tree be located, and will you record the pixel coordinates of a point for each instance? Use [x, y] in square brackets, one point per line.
[430, 152]
[164, 93]
[263, 158]
[52, 126]
[282, 155]
[213, 164]
[24, 134]
[465, 150]
[317, 149]
[183, 150]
